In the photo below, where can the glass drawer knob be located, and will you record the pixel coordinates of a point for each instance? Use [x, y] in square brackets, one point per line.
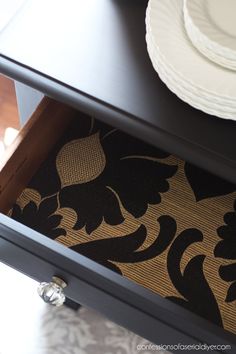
[52, 293]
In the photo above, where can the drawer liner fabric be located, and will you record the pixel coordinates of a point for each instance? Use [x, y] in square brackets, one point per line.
[157, 220]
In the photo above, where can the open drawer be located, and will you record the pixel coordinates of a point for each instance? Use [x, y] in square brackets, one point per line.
[140, 235]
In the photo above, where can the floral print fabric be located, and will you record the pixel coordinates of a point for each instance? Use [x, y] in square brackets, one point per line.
[145, 214]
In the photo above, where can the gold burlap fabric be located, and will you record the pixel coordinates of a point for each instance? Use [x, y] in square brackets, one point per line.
[157, 220]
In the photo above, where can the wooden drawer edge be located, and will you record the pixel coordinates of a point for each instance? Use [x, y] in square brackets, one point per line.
[30, 148]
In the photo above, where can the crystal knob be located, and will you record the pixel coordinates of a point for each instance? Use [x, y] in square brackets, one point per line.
[52, 293]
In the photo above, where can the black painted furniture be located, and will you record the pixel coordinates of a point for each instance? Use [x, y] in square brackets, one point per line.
[111, 78]
[94, 57]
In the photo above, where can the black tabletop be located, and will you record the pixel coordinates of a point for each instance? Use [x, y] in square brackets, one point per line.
[93, 55]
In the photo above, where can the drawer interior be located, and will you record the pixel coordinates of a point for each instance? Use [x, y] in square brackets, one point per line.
[148, 215]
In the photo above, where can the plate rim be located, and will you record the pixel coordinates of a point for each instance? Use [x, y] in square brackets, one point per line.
[213, 93]
[183, 95]
[199, 44]
[211, 44]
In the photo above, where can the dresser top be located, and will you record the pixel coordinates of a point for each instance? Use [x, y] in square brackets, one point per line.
[92, 54]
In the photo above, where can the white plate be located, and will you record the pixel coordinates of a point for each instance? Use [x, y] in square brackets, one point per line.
[196, 26]
[182, 89]
[201, 46]
[185, 93]
[199, 93]
[169, 36]
[215, 21]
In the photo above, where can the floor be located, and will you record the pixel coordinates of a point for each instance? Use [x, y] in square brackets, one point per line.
[27, 325]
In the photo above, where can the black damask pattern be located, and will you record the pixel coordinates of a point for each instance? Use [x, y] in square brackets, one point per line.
[136, 181]
[226, 248]
[139, 186]
[132, 175]
[192, 284]
[205, 184]
[124, 249]
[42, 218]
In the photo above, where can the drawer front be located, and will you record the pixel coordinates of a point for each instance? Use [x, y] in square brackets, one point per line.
[94, 286]
[89, 283]
[89, 293]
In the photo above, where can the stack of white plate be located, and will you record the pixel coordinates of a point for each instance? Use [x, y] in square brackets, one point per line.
[211, 26]
[189, 74]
